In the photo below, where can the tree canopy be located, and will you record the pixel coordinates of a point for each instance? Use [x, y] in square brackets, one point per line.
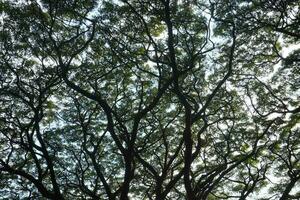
[150, 99]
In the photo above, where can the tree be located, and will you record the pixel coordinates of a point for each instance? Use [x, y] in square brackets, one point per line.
[149, 99]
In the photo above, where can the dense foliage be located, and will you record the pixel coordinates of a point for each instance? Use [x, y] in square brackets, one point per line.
[152, 99]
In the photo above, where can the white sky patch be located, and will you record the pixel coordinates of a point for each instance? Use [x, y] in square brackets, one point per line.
[289, 49]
